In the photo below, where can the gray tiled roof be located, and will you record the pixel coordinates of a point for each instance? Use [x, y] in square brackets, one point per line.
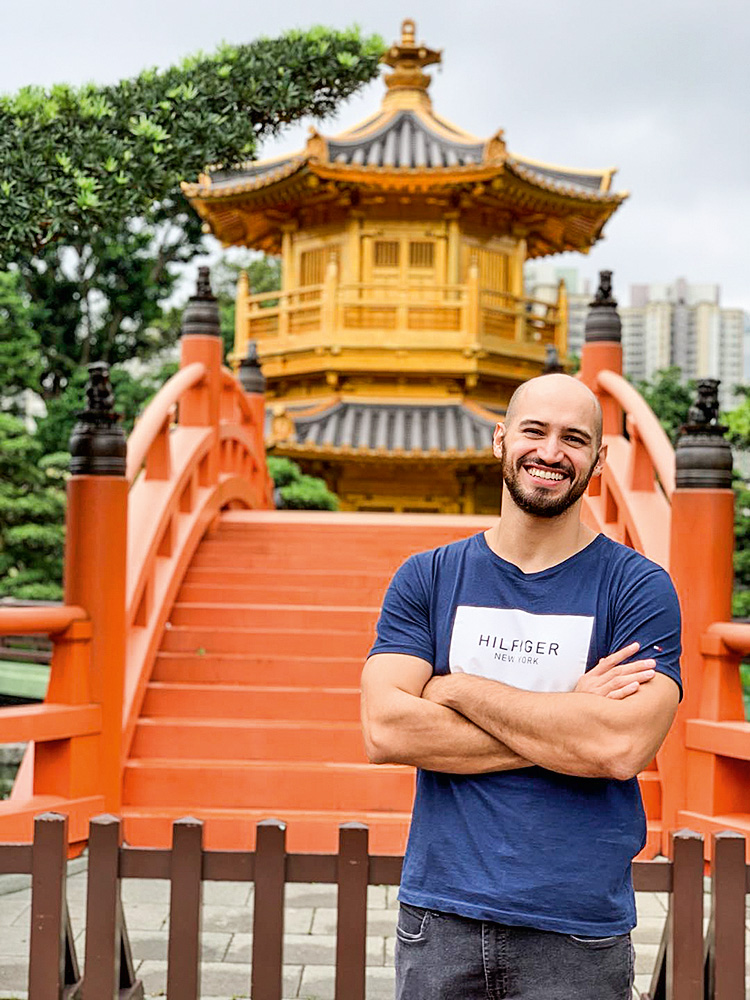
[591, 182]
[396, 427]
[404, 141]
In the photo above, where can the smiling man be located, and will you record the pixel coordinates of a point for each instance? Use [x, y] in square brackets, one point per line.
[529, 672]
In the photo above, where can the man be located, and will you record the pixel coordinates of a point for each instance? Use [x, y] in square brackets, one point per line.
[529, 672]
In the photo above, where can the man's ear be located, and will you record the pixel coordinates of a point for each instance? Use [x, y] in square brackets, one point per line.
[497, 440]
[600, 460]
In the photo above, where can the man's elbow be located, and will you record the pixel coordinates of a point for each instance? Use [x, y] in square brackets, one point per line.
[624, 759]
[378, 746]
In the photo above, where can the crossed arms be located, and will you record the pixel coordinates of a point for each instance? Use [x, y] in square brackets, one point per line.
[610, 726]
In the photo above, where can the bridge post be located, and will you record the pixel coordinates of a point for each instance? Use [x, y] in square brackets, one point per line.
[95, 569]
[253, 383]
[602, 349]
[700, 563]
[201, 341]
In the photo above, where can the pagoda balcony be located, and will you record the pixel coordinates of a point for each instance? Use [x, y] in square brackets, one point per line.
[399, 316]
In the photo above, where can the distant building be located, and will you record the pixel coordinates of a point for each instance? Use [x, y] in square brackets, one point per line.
[684, 325]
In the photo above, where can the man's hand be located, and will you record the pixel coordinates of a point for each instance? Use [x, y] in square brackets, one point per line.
[611, 678]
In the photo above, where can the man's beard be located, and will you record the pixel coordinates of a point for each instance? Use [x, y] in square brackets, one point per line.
[540, 501]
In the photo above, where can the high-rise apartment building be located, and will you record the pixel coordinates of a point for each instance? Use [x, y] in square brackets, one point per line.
[684, 325]
[541, 279]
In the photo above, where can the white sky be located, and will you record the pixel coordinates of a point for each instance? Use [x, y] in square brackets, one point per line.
[658, 88]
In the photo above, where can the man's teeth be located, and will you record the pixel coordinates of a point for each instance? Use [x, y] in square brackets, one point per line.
[545, 474]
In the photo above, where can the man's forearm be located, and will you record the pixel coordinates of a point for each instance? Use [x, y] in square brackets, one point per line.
[433, 737]
[569, 732]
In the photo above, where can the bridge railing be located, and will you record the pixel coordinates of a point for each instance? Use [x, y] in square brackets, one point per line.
[134, 518]
[688, 965]
[66, 727]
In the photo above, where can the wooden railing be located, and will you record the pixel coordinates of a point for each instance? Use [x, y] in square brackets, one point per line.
[688, 967]
[468, 310]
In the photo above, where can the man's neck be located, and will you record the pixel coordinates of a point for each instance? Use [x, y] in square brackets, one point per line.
[535, 543]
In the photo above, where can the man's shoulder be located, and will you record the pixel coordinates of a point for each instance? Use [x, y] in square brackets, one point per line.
[631, 566]
[446, 554]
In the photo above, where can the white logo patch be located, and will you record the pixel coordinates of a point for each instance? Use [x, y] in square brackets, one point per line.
[533, 652]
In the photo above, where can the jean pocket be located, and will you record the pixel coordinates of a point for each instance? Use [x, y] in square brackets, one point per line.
[595, 943]
[412, 922]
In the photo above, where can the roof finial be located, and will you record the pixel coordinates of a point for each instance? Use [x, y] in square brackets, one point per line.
[408, 59]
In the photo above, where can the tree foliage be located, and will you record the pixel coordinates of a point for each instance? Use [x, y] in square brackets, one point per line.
[669, 397]
[79, 162]
[298, 491]
[20, 364]
[93, 218]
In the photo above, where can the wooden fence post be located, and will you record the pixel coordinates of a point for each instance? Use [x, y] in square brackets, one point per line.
[685, 955]
[268, 912]
[351, 924]
[186, 893]
[53, 965]
[726, 938]
[108, 972]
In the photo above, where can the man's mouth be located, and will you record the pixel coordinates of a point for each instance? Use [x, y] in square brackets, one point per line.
[546, 475]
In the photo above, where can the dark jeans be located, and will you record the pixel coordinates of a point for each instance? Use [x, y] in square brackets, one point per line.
[440, 956]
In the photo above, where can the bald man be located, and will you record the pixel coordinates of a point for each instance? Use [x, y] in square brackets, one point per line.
[529, 672]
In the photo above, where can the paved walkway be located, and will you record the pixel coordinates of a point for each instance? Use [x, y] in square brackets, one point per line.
[309, 943]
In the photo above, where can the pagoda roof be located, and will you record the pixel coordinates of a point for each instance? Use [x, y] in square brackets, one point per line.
[411, 430]
[405, 148]
[405, 139]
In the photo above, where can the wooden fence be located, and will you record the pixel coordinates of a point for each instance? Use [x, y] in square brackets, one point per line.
[689, 966]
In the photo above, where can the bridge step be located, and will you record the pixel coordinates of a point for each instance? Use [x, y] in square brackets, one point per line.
[325, 592]
[299, 616]
[247, 668]
[277, 784]
[243, 701]
[248, 739]
[267, 641]
[234, 829]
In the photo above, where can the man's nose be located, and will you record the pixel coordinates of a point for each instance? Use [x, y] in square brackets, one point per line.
[549, 449]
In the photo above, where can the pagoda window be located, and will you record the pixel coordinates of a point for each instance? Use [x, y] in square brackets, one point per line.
[386, 253]
[312, 267]
[421, 254]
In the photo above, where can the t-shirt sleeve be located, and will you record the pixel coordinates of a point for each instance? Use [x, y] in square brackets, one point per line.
[404, 622]
[648, 612]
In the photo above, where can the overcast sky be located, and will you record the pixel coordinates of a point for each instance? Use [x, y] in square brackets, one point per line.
[658, 88]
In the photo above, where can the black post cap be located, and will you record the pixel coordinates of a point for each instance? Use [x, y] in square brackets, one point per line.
[603, 320]
[97, 444]
[703, 455]
[201, 316]
[552, 361]
[251, 377]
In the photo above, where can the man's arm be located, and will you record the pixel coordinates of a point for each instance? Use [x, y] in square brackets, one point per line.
[573, 733]
[401, 727]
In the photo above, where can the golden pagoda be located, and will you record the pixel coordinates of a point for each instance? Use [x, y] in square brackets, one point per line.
[401, 328]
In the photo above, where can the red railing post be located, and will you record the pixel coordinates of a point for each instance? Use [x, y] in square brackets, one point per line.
[201, 341]
[700, 564]
[602, 350]
[96, 564]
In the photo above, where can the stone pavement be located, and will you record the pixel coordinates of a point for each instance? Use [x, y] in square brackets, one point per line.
[309, 942]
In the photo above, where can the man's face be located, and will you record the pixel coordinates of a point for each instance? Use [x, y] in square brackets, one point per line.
[549, 451]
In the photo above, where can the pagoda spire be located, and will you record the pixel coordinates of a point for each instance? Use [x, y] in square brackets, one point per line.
[408, 59]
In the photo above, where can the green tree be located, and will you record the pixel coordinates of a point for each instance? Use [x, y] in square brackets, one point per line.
[669, 398]
[32, 509]
[93, 219]
[20, 364]
[297, 490]
[78, 162]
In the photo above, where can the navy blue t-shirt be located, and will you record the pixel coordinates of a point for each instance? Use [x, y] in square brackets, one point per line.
[528, 847]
